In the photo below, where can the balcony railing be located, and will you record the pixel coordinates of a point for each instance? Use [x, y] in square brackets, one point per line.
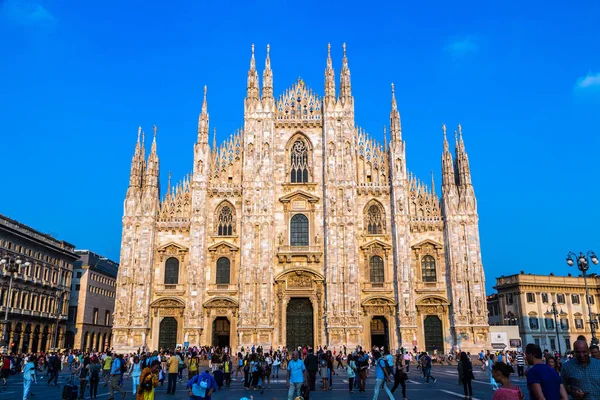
[174, 289]
[313, 253]
[377, 286]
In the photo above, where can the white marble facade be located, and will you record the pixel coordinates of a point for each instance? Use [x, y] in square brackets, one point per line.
[301, 228]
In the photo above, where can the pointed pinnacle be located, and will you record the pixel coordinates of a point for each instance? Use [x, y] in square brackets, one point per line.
[139, 133]
[215, 138]
[432, 183]
[252, 61]
[394, 105]
[155, 129]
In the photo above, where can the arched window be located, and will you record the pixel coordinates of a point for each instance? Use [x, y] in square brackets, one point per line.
[225, 221]
[376, 269]
[299, 230]
[428, 269]
[374, 220]
[223, 271]
[172, 271]
[299, 162]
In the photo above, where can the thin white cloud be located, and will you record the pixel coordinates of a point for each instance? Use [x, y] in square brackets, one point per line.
[462, 46]
[25, 12]
[590, 81]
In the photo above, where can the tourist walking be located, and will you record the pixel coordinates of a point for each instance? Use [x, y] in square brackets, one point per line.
[135, 371]
[581, 375]
[521, 364]
[311, 362]
[490, 364]
[543, 382]
[400, 377]
[501, 373]
[83, 376]
[407, 359]
[28, 376]
[465, 374]
[296, 376]
[381, 376]
[426, 365]
[148, 381]
[115, 376]
[94, 374]
[173, 366]
[351, 372]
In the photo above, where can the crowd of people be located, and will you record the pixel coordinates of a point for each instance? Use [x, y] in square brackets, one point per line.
[549, 376]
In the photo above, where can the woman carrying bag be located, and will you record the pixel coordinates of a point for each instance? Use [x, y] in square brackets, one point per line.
[465, 374]
[400, 376]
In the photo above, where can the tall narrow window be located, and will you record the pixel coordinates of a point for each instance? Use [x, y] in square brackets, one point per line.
[299, 230]
[225, 221]
[95, 317]
[223, 271]
[375, 222]
[376, 269]
[172, 271]
[428, 269]
[299, 162]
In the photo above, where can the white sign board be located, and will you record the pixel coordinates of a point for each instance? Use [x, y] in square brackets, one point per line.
[499, 340]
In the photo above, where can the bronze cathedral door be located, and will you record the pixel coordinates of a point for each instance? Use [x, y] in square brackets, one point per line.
[299, 317]
[167, 337]
[434, 334]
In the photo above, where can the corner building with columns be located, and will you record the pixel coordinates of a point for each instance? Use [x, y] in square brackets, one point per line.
[300, 229]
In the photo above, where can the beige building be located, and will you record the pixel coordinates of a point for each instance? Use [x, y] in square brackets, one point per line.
[300, 229]
[526, 301]
[92, 302]
[40, 292]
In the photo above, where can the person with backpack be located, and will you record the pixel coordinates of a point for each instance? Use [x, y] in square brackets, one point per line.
[148, 381]
[94, 374]
[227, 365]
[135, 371]
[192, 366]
[363, 365]
[201, 387]
[115, 376]
[465, 374]
[324, 371]
[83, 377]
[400, 376]
[381, 376]
[351, 371]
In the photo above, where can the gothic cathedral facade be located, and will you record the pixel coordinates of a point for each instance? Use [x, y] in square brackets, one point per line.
[300, 229]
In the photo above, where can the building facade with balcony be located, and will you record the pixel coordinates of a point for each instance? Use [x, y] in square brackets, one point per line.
[301, 229]
[39, 298]
[92, 302]
[526, 300]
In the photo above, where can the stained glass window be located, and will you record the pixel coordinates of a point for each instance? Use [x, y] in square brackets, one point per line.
[223, 271]
[376, 269]
[226, 222]
[299, 230]
[299, 162]
[172, 271]
[428, 269]
[374, 220]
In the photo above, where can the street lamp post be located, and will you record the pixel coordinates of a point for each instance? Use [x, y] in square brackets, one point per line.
[510, 318]
[555, 312]
[583, 264]
[59, 305]
[12, 264]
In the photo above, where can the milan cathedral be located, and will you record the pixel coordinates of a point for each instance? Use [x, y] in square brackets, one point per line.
[300, 229]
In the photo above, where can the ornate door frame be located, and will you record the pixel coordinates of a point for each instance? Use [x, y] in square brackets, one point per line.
[166, 307]
[299, 283]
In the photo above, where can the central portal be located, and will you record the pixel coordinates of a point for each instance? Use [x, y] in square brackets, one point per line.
[299, 317]
[167, 338]
[221, 331]
[434, 334]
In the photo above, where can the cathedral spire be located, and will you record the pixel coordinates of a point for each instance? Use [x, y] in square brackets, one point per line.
[203, 121]
[267, 89]
[152, 165]
[252, 87]
[433, 184]
[345, 86]
[395, 126]
[447, 164]
[384, 138]
[329, 78]
[214, 144]
[462, 161]
[137, 164]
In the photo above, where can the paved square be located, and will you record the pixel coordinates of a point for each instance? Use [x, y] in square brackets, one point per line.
[446, 387]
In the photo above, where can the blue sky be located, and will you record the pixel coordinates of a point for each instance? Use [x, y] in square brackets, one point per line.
[523, 79]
